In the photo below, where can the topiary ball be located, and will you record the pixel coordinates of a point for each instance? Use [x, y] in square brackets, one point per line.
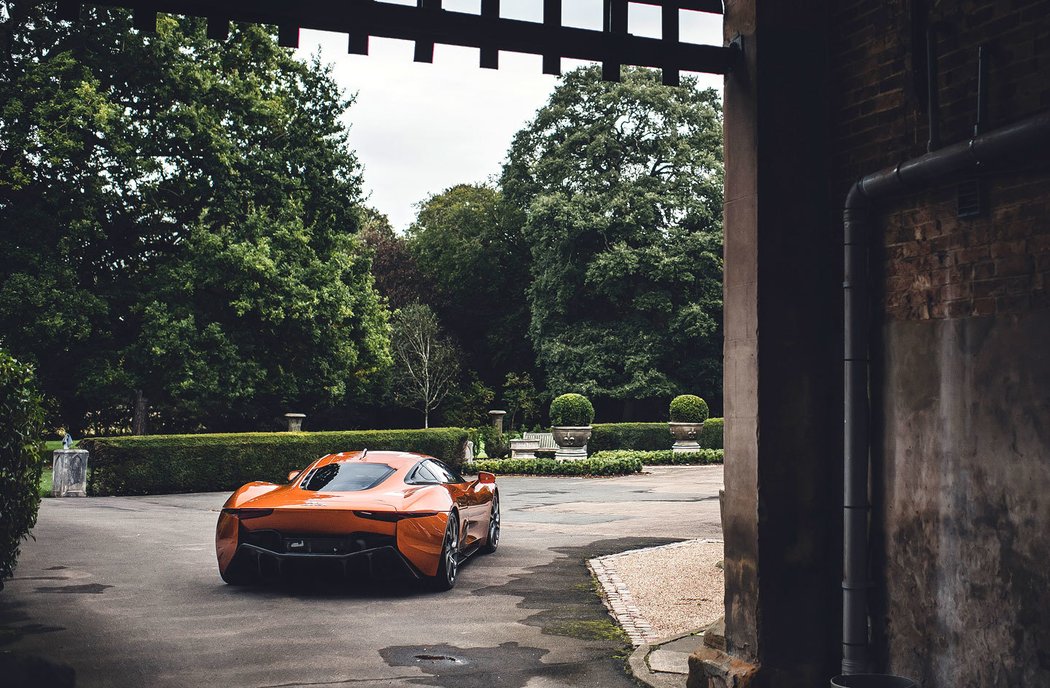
[689, 408]
[571, 410]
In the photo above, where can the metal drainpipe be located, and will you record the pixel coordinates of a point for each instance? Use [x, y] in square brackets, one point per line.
[1028, 140]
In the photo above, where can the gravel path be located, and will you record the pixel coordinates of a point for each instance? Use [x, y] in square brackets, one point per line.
[660, 592]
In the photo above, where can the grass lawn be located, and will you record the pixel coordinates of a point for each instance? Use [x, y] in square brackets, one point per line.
[45, 481]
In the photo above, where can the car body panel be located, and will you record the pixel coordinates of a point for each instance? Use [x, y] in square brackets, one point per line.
[288, 522]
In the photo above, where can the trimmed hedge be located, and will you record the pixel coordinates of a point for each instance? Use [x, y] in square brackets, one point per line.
[711, 435]
[663, 458]
[592, 466]
[21, 425]
[648, 436]
[637, 436]
[160, 464]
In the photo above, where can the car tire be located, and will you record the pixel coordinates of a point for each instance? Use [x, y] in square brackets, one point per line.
[492, 540]
[238, 572]
[448, 567]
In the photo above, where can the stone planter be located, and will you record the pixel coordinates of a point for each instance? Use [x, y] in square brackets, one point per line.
[571, 441]
[685, 435]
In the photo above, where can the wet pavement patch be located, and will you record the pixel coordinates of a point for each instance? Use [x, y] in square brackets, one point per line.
[507, 666]
[568, 605]
[85, 589]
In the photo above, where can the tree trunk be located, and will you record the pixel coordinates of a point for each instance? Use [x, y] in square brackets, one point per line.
[426, 420]
[138, 421]
[628, 410]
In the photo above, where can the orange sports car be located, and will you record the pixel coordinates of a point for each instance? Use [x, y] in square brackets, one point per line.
[375, 513]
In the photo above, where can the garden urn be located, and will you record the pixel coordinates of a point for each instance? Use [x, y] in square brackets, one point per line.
[571, 441]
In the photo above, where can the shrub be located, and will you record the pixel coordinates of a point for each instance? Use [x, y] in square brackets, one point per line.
[591, 466]
[573, 410]
[639, 436]
[689, 408]
[495, 444]
[663, 458]
[711, 435]
[204, 463]
[21, 426]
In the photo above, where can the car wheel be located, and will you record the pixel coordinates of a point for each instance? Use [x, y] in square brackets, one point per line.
[448, 568]
[239, 572]
[493, 539]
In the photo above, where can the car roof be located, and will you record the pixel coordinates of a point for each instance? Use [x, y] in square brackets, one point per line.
[394, 459]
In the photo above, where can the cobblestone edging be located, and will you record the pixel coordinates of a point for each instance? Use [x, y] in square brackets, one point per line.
[617, 597]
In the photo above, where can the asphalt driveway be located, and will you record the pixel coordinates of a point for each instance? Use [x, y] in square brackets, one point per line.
[125, 591]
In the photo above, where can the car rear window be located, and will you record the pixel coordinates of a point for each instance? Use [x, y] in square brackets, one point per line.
[346, 476]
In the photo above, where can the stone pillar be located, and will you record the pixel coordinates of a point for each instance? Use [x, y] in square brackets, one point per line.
[497, 420]
[783, 353]
[295, 421]
[69, 473]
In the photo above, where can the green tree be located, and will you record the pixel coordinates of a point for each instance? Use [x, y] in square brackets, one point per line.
[469, 245]
[621, 187]
[177, 216]
[397, 274]
[21, 427]
[426, 361]
[522, 400]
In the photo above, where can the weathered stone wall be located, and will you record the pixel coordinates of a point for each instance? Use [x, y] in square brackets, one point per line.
[962, 380]
[965, 492]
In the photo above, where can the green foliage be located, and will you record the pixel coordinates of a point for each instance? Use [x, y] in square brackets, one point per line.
[662, 458]
[178, 217]
[397, 274]
[591, 466]
[521, 397]
[468, 244]
[493, 444]
[571, 410]
[688, 408]
[163, 464]
[468, 403]
[711, 435]
[638, 436]
[621, 188]
[21, 425]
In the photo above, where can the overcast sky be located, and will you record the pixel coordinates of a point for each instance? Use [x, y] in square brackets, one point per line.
[421, 128]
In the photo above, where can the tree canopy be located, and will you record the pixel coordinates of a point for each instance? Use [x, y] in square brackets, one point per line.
[468, 244]
[620, 185]
[178, 218]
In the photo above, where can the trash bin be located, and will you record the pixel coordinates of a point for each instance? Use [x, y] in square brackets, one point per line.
[872, 681]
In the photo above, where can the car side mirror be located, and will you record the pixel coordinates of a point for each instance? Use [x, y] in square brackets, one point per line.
[293, 475]
[486, 478]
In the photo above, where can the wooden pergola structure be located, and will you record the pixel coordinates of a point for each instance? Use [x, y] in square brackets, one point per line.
[428, 23]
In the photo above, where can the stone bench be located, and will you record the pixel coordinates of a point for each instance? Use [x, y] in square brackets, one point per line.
[530, 443]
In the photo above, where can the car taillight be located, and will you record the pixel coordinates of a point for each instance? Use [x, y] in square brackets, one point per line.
[393, 516]
[248, 513]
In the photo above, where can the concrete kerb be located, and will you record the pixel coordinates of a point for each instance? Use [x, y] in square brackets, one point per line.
[620, 603]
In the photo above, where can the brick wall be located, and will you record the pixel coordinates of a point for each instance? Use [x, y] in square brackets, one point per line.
[937, 265]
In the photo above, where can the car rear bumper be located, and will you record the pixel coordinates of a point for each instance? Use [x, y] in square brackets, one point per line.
[375, 562]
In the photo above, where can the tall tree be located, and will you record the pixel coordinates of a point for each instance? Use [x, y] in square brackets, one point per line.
[621, 187]
[469, 245]
[397, 274]
[177, 216]
[426, 362]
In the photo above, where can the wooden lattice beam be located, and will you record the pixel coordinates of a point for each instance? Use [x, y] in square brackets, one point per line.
[427, 24]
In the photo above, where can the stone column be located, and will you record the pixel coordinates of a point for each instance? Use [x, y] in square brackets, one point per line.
[783, 352]
[497, 420]
[295, 421]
